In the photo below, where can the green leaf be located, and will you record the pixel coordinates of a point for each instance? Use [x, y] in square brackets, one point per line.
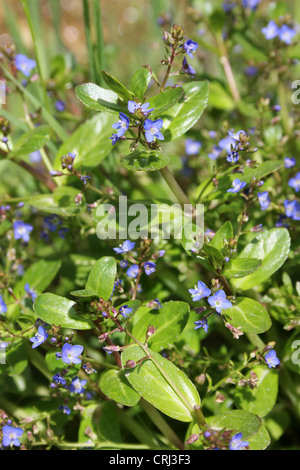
[224, 233]
[39, 276]
[59, 311]
[187, 111]
[145, 160]
[272, 247]
[140, 81]
[99, 423]
[90, 142]
[165, 100]
[60, 202]
[115, 386]
[261, 399]
[117, 87]
[83, 293]
[149, 382]
[219, 98]
[261, 440]
[99, 99]
[31, 141]
[102, 277]
[241, 267]
[169, 320]
[250, 315]
[212, 252]
[237, 421]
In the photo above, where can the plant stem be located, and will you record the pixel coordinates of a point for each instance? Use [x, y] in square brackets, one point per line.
[174, 186]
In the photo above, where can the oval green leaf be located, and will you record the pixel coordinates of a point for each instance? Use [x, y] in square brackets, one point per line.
[115, 386]
[140, 81]
[241, 267]
[145, 160]
[165, 100]
[248, 314]
[98, 98]
[237, 421]
[102, 277]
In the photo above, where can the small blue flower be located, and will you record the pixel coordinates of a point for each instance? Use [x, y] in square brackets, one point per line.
[70, 354]
[77, 385]
[65, 409]
[272, 359]
[35, 157]
[30, 292]
[236, 136]
[149, 267]
[219, 301]
[236, 442]
[24, 64]
[295, 182]
[3, 307]
[192, 146]
[11, 436]
[215, 153]
[152, 130]
[290, 207]
[251, 71]
[60, 105]
[122, 125]
[233, 157]
[202, 324]
[125, 310]
[125, 247]
[187, 68]
[132, 271]
[123, 263]
[264, 200]
[114, 139]
[39, 338]
[286, 34]
[22, 231]
[189, 47]
[289, 162]
[85, 178]
[200, 291]
[252, 4]
[271, 31]
[237, 185]
[58, 379]
[134, 107]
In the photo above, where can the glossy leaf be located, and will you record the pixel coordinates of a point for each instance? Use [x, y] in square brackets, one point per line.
[31, 141]
[102, 277]
[60, 202]
[39, 276]
[149, 382]
[117, 86]
[241, 267]
[145, 160]
[272, 247]
[140, 81]
[98, 98]
[224, 233]
[181, 117]
[115, 386]
[164, 100]
[248, 314]
[59, 311]
[238, 421]
[169, 320]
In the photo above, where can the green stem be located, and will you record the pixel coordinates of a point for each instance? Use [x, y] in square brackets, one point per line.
[174, 186]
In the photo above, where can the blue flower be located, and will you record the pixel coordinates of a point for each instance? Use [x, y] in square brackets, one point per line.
[11, 436]
[149, 267]
[236, 442]
[233, 157]
[219, 301]
[122, 125]
[114, 139]
[271, 31]
[125, 247]
[85, 178]
[187, 68]
[77, 385]
[58, 379]
[295, 182]
[200, 291]
[69, 354]
[251, 71]
[215, 153]
[272, 359]
[291, 207]
[252, 4]
[236, 136]
[237, 185]
[3, 307]
[227, 143]
[65, 409]
[24, 64]
[60, 105]
[289, 162]
[132, 271]
[192, 146]
[22, 231]
[264, 200]
[39, 338]
[125, 310]
[133, 107]
[30, 292]
[286, 34]
[190, 46]
[202, 324]
[35, 157]
[152, 130]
